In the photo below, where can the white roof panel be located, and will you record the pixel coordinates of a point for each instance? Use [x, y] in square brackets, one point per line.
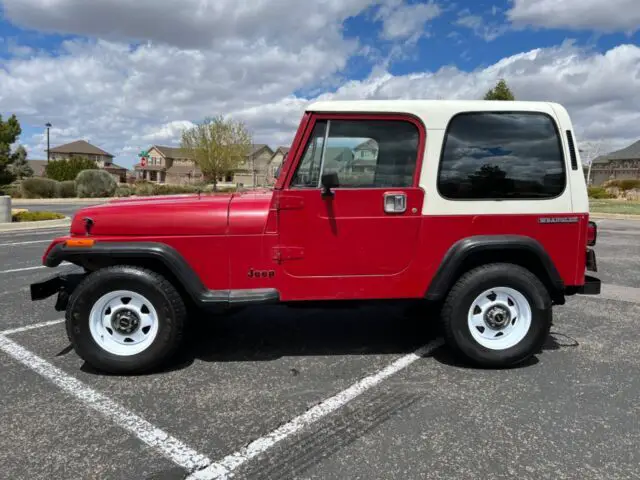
[434, 113]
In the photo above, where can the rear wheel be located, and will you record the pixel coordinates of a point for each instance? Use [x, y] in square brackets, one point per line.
[497, 315]
[125, 319]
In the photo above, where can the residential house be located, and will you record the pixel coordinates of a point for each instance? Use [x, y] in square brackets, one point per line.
[365, 157]
[81, 148]
[168, 165]
[619, 165]
[336, 159]
[174, 166]
[252, 172]
[275, 163]
[38, 167]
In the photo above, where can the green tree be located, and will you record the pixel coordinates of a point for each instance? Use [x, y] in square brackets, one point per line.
[62, 170]
[500, 92]
[9, 132]
[20, 167]
[217, 146]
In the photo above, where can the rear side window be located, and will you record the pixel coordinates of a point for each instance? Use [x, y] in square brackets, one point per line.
[501, 155]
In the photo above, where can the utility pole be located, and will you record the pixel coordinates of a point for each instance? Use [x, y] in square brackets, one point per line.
[48, 125]
[253, 168]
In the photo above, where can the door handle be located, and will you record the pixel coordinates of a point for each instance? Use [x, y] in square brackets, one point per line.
[395, 202]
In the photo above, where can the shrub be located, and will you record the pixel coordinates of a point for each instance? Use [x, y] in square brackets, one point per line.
[629, 184]
[36, 216]
[143, 188]
[13, 190]
[123, 192]
[164, 189]
[62, 170]
[95, 183]
[599, 192]
[624, 185]
[37, 187]
[67, 189]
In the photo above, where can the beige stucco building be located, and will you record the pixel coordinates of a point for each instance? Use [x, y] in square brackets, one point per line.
[619, 165]
[82, 148]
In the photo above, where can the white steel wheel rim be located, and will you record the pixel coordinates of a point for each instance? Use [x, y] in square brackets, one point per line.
[499, 318]
[123, 323]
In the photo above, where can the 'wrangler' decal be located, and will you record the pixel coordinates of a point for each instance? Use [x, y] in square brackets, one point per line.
[558, 220]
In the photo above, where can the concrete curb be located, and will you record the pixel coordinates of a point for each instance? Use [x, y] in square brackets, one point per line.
[39, 201]
[18, 226]
[614, 216]
[90, 201]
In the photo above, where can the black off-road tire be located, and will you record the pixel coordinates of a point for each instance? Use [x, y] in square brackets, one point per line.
[472, 284]
[158, 290]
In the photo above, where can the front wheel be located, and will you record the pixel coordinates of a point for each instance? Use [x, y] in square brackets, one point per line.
[497, 315]
[125, 319]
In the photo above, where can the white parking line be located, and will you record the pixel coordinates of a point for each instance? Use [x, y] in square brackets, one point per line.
[22, 269]
[225, 467]
[24, 243]
[173, 448]
[31, 268]
[169, 446]
[34, 233]
[26, 328]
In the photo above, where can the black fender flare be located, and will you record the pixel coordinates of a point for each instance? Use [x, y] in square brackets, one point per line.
[453, 261]
[171, 259]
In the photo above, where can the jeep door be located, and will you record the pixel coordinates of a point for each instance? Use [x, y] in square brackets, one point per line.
[368, 224]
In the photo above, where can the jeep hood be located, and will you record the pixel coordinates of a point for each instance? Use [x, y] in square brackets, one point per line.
[175, 215]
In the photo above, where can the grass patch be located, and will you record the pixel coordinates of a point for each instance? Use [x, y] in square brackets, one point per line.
[615, 206]
[36, 216]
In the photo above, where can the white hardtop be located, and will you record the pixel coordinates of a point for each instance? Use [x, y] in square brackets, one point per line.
[435, 114]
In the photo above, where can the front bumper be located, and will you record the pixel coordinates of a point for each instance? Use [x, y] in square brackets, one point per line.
[63, 285]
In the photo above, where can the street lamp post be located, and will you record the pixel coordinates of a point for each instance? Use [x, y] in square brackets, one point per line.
[48, 125]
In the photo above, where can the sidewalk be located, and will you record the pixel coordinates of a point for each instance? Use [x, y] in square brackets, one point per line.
[39, 201]
[614, 216]
[42, 224]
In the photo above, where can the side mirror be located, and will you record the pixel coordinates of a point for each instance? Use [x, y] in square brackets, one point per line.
[329, 180]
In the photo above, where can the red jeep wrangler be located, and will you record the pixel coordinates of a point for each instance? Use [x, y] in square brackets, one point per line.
[479, 206]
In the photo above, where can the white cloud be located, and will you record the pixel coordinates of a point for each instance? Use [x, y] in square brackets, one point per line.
[600, 90]
[404, 21]
[166, 133]
[190, 23]
[124, 98]
[606, 16]
[193, 58]
[117, 91]
[476, 23]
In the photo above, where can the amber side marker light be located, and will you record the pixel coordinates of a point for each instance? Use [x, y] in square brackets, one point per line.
[79, 242]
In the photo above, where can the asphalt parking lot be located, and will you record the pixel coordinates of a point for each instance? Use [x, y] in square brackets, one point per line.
[312, 394]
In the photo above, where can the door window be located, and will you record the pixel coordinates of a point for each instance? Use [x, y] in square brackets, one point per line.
[363, 154]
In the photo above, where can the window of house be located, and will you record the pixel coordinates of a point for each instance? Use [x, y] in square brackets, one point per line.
[501, 155]
[392, 147]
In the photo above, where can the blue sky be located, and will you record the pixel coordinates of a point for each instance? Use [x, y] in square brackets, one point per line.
[127, 75]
